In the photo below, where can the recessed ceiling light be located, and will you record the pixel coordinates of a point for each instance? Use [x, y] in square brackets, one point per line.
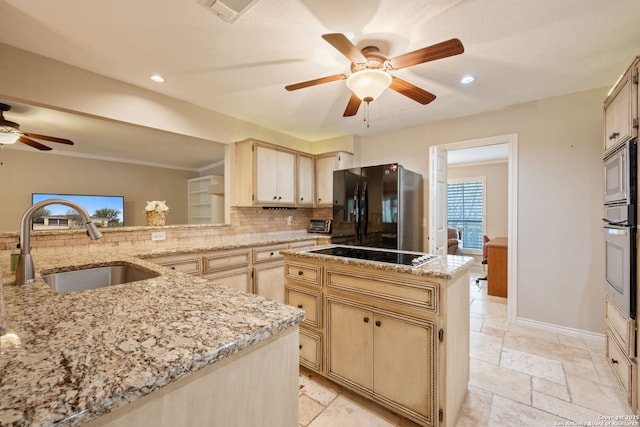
[157, 78]
[467, 79]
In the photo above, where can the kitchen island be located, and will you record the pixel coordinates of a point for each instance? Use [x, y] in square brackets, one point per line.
[171, 350]
[394, 333]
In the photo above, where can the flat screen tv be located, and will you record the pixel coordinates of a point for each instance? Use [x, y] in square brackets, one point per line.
[105, 211]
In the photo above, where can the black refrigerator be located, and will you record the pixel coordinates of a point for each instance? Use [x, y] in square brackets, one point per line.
[378, 206]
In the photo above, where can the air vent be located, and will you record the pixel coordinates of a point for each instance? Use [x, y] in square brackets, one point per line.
[228, 10]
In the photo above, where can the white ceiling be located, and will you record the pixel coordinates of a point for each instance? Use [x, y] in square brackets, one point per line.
[519, 50]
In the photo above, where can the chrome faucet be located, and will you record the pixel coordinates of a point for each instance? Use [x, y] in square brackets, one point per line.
[24, 271]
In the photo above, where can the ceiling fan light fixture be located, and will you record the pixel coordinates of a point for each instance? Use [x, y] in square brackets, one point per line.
[8, 137]
[369, 84]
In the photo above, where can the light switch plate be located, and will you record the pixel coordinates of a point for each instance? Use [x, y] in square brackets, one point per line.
[158, 235]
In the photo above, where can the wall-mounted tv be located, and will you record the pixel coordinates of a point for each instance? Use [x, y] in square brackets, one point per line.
[105, 211]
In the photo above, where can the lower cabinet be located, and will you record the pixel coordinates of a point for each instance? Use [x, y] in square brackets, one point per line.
[258, 269]
[267, 280]
[391, 357]
[620, 350]
[398, 339]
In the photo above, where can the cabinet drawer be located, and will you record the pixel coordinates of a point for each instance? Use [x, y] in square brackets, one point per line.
[307, 301]
[310, 350]
[620, 363]
[190, 264]
[268, 253]
[623, 327]
[302, 244]
[224, 260]
[401, 291]
[303, 273]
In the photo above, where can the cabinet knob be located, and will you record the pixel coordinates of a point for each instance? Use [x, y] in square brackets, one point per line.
[614, 361]
[378, 323]
[319, 199]
[614, 135]
[366, 320]
[275, 197]
[299, 305]
[300, 347]
[280, 197]
[301, 198]
[271, 254]
[173, 268]
[300, 272]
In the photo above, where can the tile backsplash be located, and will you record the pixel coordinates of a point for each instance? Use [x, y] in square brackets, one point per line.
[243, 221]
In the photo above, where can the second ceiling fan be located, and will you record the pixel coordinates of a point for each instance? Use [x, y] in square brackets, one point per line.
[369, 64]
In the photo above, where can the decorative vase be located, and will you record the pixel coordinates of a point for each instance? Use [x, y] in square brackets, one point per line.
[155, 219]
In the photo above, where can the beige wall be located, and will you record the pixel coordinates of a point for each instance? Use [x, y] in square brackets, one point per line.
[560, 249]
[26, 172]
[496, 193]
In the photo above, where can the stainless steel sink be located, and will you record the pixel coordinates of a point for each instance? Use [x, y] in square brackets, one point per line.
[96, 277]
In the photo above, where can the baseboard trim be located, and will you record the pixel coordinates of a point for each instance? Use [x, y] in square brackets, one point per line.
[563, 330]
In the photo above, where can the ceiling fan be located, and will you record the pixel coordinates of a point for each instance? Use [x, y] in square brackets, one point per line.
[370, 71]
[10, 133]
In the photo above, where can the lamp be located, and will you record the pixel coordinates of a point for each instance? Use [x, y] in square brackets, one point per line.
[8, 137]
[368, 84]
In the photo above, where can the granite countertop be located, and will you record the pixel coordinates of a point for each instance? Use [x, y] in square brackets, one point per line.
[70, 357]
[443, 267]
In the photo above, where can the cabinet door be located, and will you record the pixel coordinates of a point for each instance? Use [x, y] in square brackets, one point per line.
[618, 114]
[305, 180]
[285, 177]
[268, 280]
[239, 278]
[404, 363]
[324, 181]
[350, 345]
[266, 167]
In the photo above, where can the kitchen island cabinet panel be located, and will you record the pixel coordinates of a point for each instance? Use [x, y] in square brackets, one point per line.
[308, 301]
[243, 390]
[397, 335]
[267, 280]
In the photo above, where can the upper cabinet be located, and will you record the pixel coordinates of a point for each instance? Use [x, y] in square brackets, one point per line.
[325, 165]
[270, 175]
[275, 175]
[621, 109]
[305, 164]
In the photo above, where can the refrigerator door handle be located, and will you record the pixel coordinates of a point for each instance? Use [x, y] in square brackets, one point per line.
[365, 210]
[356, 210]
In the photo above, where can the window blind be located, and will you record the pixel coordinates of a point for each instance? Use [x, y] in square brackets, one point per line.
[465, 211]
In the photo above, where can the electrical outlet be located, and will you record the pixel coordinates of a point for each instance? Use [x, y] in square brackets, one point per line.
[290, 220]
[158, 235]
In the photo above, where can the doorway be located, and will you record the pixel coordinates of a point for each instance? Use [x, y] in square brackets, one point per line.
[437, 203]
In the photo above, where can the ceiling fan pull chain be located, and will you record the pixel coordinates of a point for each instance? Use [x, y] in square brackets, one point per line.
[366, 113]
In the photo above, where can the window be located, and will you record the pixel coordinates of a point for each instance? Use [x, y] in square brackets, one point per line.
[465, 210]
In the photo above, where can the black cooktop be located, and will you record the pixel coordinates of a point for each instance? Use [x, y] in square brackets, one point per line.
[395, 257]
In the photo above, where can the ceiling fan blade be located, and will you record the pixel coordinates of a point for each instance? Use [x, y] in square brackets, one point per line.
[430, 53]
[411, 91]
[345, 47]
[352, 106]
[314, 82]
[33, 144]
[49, 138]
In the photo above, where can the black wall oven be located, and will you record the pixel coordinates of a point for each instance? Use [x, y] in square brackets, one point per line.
[620, 198]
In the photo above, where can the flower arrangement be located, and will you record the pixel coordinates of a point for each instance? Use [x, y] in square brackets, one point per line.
[156, 212]
[156, 206]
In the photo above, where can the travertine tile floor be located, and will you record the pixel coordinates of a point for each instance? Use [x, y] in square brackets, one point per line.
[519, 377]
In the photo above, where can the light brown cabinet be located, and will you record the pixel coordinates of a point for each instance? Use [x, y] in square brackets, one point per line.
[325, 165]
[305, 169]
[258, 270]
[620, 349]
[621, 110]
[383, 334]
